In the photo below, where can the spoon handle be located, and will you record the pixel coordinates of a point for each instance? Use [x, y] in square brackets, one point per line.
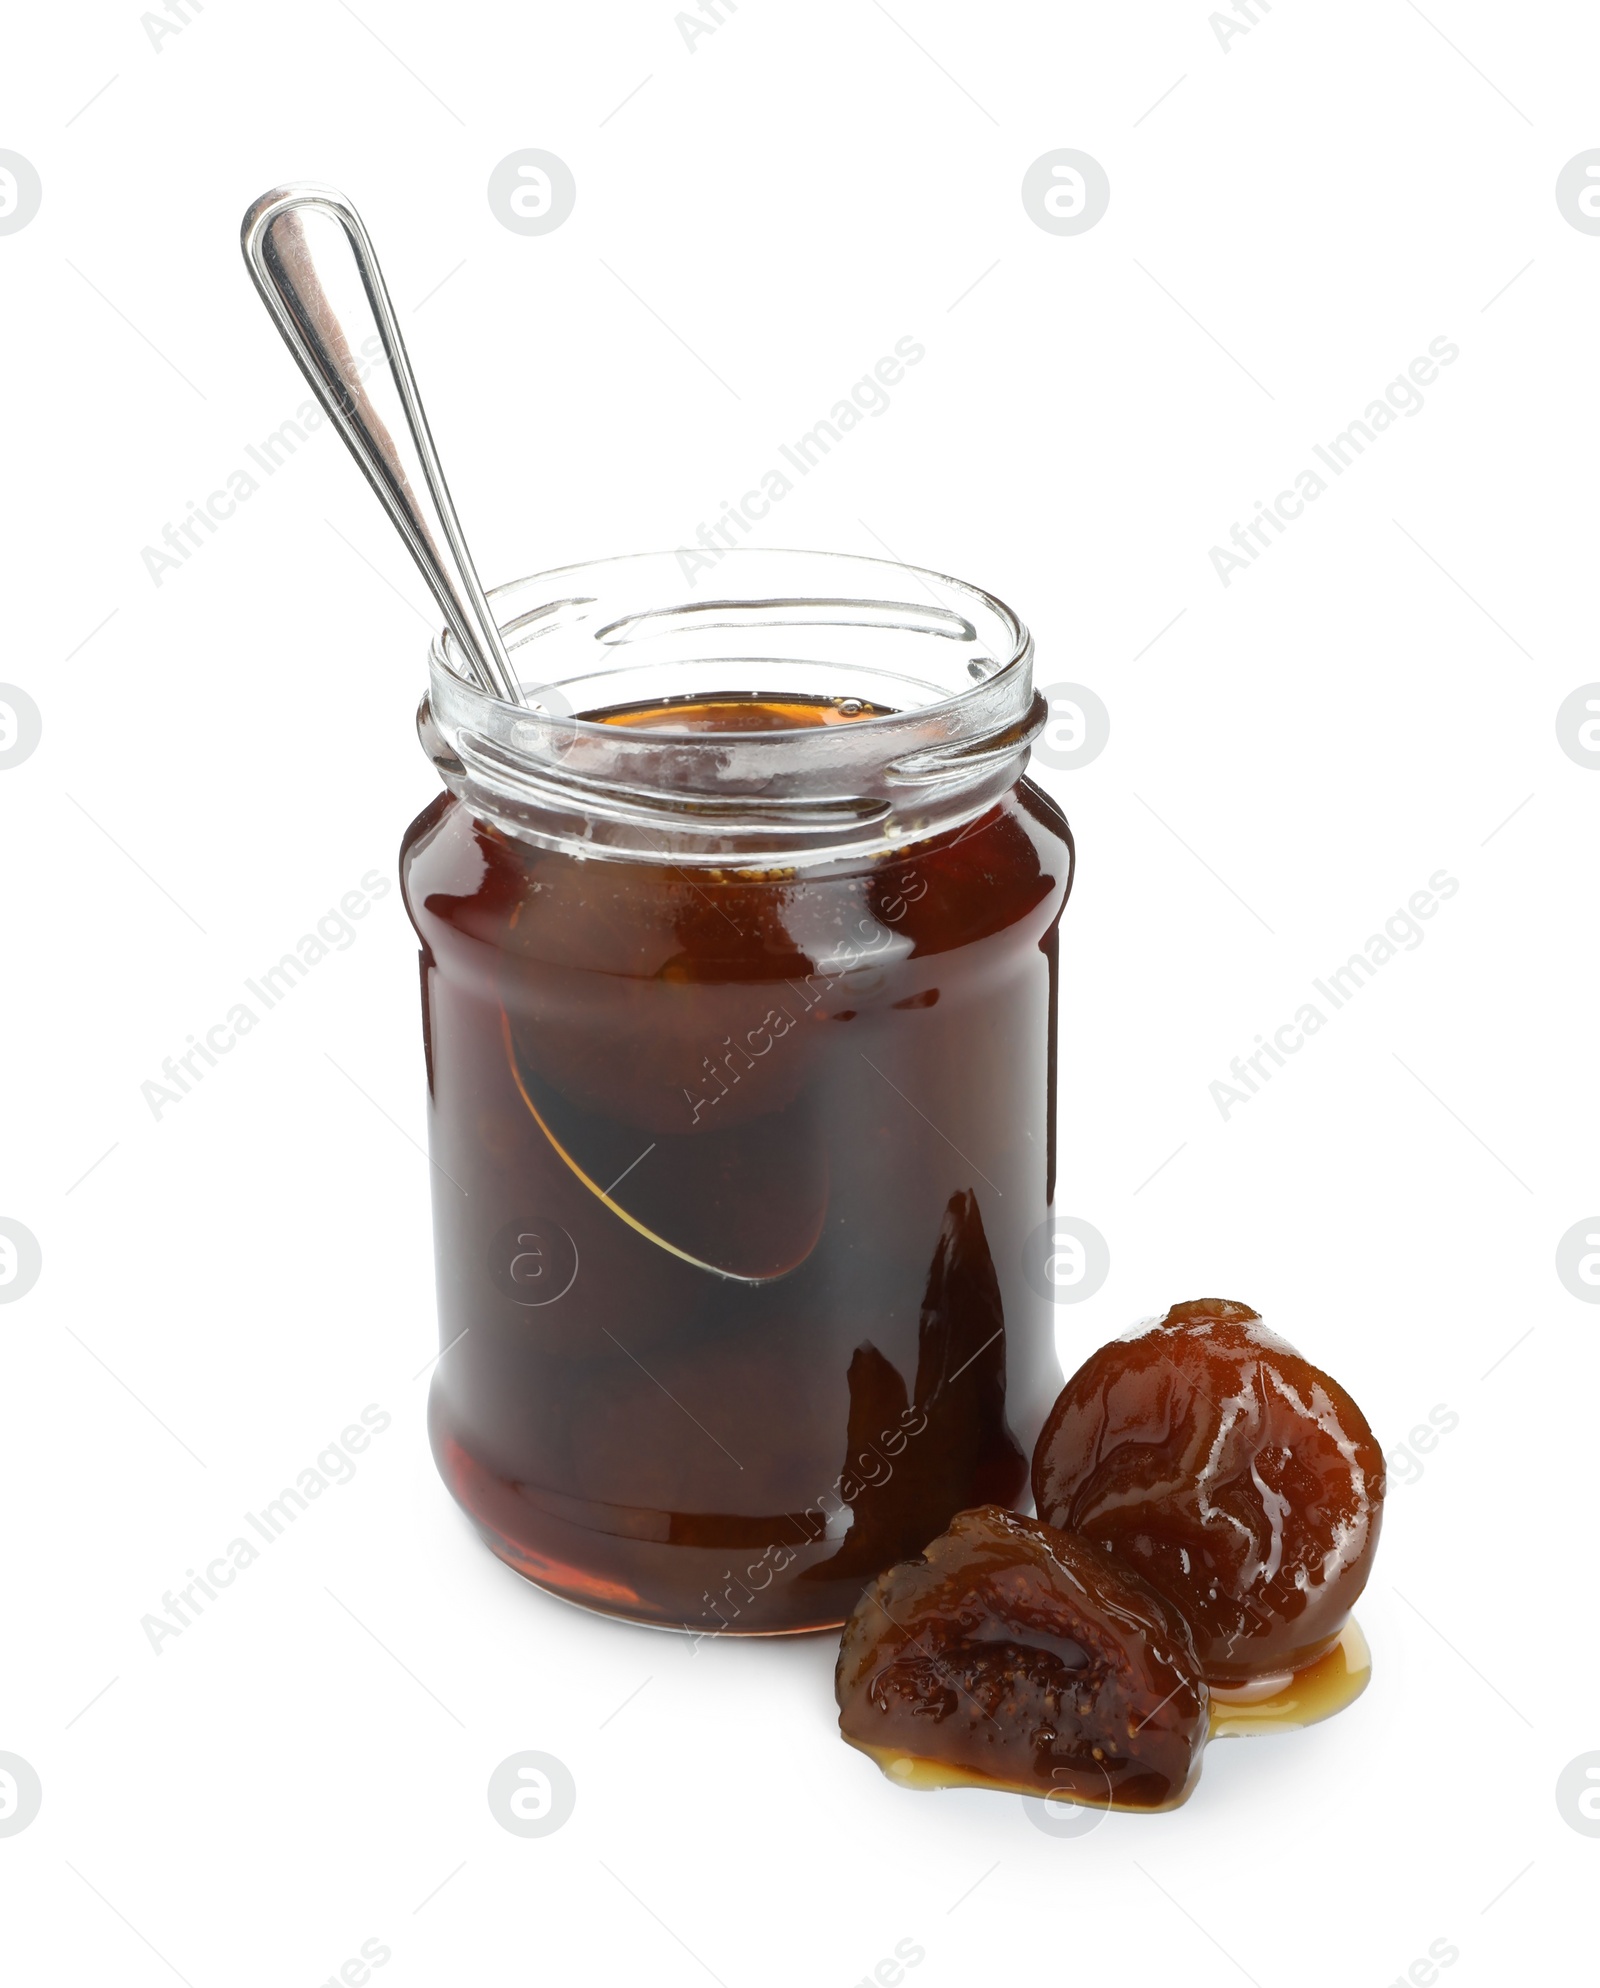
[312, 260]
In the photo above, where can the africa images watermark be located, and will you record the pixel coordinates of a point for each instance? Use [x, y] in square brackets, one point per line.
[1402, 396]
[333, 1465]
[179, 15]
[335, 931]
[201, 521]
[1402, 932]
[1247, 14]
[849, 963]
[868, 396]
[713, 15]
[1404, 1462]
[829, 1516]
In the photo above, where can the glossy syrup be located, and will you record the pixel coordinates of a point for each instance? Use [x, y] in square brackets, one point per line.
[1300, 1698]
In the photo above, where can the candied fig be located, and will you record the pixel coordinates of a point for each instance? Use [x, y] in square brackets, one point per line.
[1239, 1480]
[1014, 1655]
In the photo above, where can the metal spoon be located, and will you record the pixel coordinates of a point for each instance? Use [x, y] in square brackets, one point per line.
[311, 258]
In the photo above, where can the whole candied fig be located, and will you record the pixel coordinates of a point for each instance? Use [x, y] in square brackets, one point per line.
[1241, 1482]
[1016, 1656]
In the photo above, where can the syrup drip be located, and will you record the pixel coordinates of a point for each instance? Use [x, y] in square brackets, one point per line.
[912, 1771]
[1300, 1698]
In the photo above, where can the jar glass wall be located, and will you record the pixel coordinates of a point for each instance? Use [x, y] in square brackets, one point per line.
[739, 959]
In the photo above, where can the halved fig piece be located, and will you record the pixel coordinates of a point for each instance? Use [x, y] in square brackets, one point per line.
[1011, 1655]
[1237, 1479]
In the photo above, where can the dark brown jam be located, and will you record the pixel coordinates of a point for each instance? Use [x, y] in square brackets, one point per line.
[732, 1177]
[1010, 1655]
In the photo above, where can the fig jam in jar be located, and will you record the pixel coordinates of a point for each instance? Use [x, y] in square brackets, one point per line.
[739, 959]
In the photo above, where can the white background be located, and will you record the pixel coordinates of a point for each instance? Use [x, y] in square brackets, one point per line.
[1291, 756]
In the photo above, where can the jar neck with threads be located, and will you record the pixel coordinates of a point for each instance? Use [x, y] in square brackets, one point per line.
[917, 695]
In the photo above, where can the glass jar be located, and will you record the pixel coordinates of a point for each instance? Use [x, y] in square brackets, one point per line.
[739, 960]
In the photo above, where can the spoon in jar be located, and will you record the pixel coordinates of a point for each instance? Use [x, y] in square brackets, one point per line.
[312, 260]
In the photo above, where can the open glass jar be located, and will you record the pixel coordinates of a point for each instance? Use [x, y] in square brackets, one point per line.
[739, 961]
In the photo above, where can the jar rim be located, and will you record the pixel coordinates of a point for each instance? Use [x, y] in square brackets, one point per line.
[508, 591]
[949, 681]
